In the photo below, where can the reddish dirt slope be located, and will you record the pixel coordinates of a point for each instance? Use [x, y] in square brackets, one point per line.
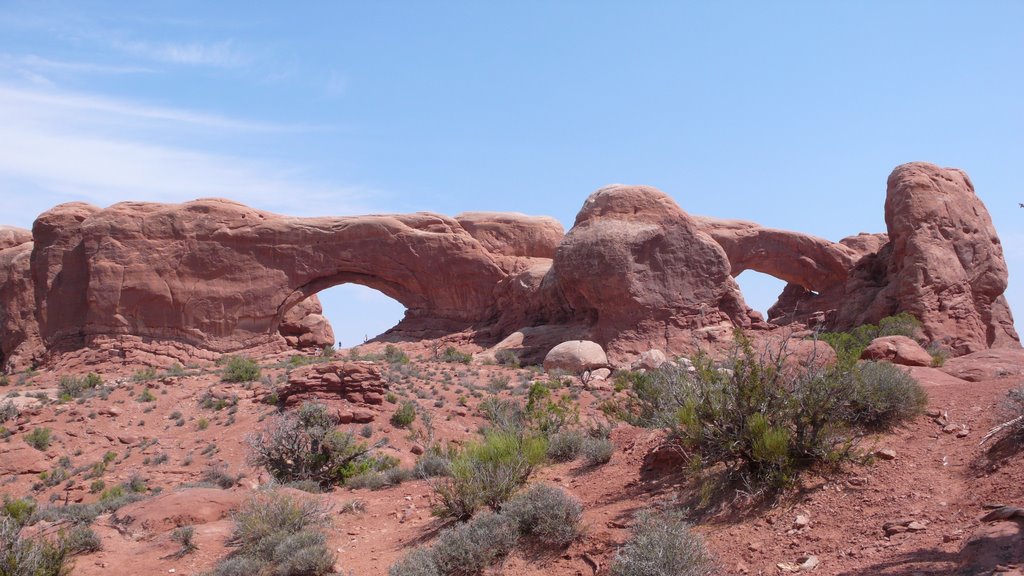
[940, 481]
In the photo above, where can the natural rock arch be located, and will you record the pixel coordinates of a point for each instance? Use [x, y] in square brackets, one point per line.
[635, 272]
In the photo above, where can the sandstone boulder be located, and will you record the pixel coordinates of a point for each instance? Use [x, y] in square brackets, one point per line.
[898, 350]
[650, 360]
[576, 357]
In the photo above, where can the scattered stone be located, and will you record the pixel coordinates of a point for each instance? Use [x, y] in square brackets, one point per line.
[885, 453]
[802, 521]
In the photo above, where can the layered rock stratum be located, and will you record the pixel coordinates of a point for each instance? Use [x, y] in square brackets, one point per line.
[169, 282]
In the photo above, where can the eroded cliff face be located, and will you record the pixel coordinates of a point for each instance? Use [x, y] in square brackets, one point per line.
[635, 272]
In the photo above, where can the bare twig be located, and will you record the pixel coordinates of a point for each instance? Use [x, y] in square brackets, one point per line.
[1000, 428]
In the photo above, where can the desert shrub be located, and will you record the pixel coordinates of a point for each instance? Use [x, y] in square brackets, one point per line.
[144, 375]
[507, 357]
[1013, 413]
[375, 479]
[241, 369]
[503, 415]
[419, 562]
[110, 500]
[547, 415]
[80, 539]
[327, 351]
[566, 445]
[497, 383]
[885, 395]
[546, 514]
[305, 445]
[453, 354]
[662, 544]
[277, 534]
[76, 386]
[849, 345]
[394, 355]
[219, 475]
[146, 395]
[432, 464]
[763, 421]
[238, 566]
[597, 451]
[35, 556]
[39, 438]
[8, 411]
[405, 415]
[486, 474]
[471, 547]
[184, 535]
[19, 510]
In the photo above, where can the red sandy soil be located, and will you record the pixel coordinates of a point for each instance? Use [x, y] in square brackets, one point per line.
[939, 480]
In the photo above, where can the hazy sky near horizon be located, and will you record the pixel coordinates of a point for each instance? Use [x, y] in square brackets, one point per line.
[791, 114]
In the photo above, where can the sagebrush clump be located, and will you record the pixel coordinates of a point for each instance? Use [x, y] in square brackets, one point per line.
[277, 534]
[662, 544]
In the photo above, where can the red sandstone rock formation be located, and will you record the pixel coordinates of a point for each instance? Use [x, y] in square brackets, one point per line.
[942, 262]
[144, 281]
[349, 387]
[643, 274]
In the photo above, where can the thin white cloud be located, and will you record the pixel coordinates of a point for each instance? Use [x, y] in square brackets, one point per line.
[221, 54]
[61, 147]
[51, 102]
[40, 63]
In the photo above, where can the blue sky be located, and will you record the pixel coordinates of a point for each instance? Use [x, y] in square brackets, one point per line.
[791, 114]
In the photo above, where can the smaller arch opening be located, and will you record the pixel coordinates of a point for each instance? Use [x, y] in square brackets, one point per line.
[760, 291]
[358, 313]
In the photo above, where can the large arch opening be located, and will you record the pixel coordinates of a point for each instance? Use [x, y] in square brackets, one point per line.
[358, 313]
[760, 291]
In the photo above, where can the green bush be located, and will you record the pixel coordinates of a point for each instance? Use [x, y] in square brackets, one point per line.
[547, 415]
[19, 510]
[305, 445]
[850, 345]
[453, 354]
[764, 421]
[277, 534]
[394, 355]
[546, 514]
[471, 547]
[486, 474]
[405, 415]
[76, 386]
[144, 375]
[39, 438]
[241, 369]
[662, 544]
